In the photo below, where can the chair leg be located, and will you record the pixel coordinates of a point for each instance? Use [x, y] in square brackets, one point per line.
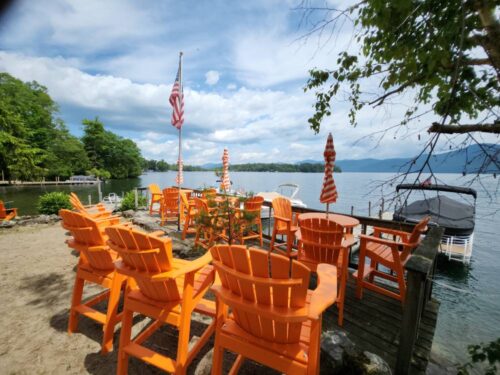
[187, 222]
[183, 343]
[76, 300]
[125, 334]
[109, 326]
[218, 356]
[273, 238]
[372, 275]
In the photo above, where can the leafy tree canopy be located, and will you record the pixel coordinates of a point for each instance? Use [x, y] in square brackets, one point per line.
[445, 53]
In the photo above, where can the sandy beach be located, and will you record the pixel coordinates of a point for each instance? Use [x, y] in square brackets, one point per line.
[37, 276]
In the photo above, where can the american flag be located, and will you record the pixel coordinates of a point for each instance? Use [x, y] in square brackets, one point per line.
[177, 101]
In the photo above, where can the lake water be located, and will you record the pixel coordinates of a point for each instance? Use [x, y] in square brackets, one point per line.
[469, 295]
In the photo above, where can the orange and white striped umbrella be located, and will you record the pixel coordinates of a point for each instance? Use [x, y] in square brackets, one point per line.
[226, 183]
[329, 191]
[179, 179]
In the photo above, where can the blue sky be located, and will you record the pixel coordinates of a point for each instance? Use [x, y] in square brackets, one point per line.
[244, 73]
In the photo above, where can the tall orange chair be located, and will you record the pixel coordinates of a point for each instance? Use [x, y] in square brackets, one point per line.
[188, 209]
[275, 320]
[95, 266]
[156, 197]
[391, 254]
[163, 288]
[252, 207]
[323, 241]
[169, 207]
[7, 213]
[94, 211]
[285, 223]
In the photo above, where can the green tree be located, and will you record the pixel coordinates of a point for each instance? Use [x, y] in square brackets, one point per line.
[445, 54]
[110, 152]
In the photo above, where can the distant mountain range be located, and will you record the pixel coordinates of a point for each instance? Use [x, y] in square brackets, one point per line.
[468, 160]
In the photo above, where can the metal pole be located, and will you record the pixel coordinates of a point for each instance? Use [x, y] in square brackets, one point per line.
[180, 149]
[352, 210]
[369, 208]
[99, 192]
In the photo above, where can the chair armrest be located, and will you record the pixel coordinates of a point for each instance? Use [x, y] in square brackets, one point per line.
[283, 219]
[153, 195]
[326, 292]
[379, 230]
[381, 241]
[192, 266]
[348, 242]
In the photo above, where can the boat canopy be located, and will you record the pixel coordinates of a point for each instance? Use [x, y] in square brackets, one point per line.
[455, 217]
[448, 188]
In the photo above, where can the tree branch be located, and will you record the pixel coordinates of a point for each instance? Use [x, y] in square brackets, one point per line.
[478, 62]
[465, 128]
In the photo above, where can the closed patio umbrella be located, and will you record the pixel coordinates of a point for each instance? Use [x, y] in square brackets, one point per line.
[329, 191]
[226, 183]
[179, 179]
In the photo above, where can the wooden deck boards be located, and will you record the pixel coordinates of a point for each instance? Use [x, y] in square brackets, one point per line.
[373, 323]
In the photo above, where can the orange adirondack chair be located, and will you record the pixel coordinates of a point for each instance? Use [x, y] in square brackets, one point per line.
[163, 288]
[391, 254]
[188, 208]
[7, 213]
[285, 223]
[95, 266]
[94, 211]
[252, 207]
[169, 207]
[275, 320]
[209, 193]
[323, 241]
[156, 198]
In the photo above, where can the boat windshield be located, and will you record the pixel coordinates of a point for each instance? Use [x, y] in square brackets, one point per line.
[288, 190]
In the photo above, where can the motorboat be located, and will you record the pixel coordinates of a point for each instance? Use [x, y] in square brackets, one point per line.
[457, 217]
[287, 190]
[112, 199]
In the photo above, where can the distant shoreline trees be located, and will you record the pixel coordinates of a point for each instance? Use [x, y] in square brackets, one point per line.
[249, 167]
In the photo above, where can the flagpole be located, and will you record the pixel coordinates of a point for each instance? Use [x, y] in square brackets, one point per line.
[180, 148]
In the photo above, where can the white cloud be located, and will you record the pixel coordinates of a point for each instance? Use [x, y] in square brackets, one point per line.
[231, 86]
[212, 77]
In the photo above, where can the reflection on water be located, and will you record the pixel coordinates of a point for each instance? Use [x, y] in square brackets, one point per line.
[469, 295]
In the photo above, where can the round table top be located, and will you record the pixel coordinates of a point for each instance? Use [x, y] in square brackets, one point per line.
[343, 220]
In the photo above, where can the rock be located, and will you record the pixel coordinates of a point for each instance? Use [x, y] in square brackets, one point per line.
[204, 366]
[128, 213]
[339, 355]
[7, 224]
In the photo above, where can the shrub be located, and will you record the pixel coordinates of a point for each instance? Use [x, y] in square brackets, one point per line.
[128, 202]
[51, 203]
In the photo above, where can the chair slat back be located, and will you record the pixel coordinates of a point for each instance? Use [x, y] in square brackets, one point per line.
[76, 203]
[170, 199]
[415, 237]
[254, 204]
[261, 284]
[321, 240]
[89, 239]
[282, 207]
[209, 193]
[201, 205]
[145, 256]
[154, 189]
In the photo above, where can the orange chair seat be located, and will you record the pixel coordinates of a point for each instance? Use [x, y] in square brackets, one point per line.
[380, 253]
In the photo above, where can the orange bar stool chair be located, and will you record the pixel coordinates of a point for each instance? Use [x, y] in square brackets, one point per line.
[163, 288]
[285, 223]
[391, 254]
[95, 266]
[252, 207]
[275, 320]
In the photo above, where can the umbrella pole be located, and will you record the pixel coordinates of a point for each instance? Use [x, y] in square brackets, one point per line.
[327, 207]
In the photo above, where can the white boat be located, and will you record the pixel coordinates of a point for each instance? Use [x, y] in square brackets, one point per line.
[288, 190]
[112, 198]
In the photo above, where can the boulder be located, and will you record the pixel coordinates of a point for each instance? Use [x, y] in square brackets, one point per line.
[339, 355]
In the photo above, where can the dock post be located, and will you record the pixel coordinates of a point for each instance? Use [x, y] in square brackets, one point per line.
[136, 199]
[369, 208]
[381, 212]
[90, 199]
[352, 210]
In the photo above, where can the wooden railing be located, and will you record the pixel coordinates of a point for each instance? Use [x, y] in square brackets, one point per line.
[420, 270]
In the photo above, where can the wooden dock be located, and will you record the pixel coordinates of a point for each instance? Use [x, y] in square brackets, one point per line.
[374, 324]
